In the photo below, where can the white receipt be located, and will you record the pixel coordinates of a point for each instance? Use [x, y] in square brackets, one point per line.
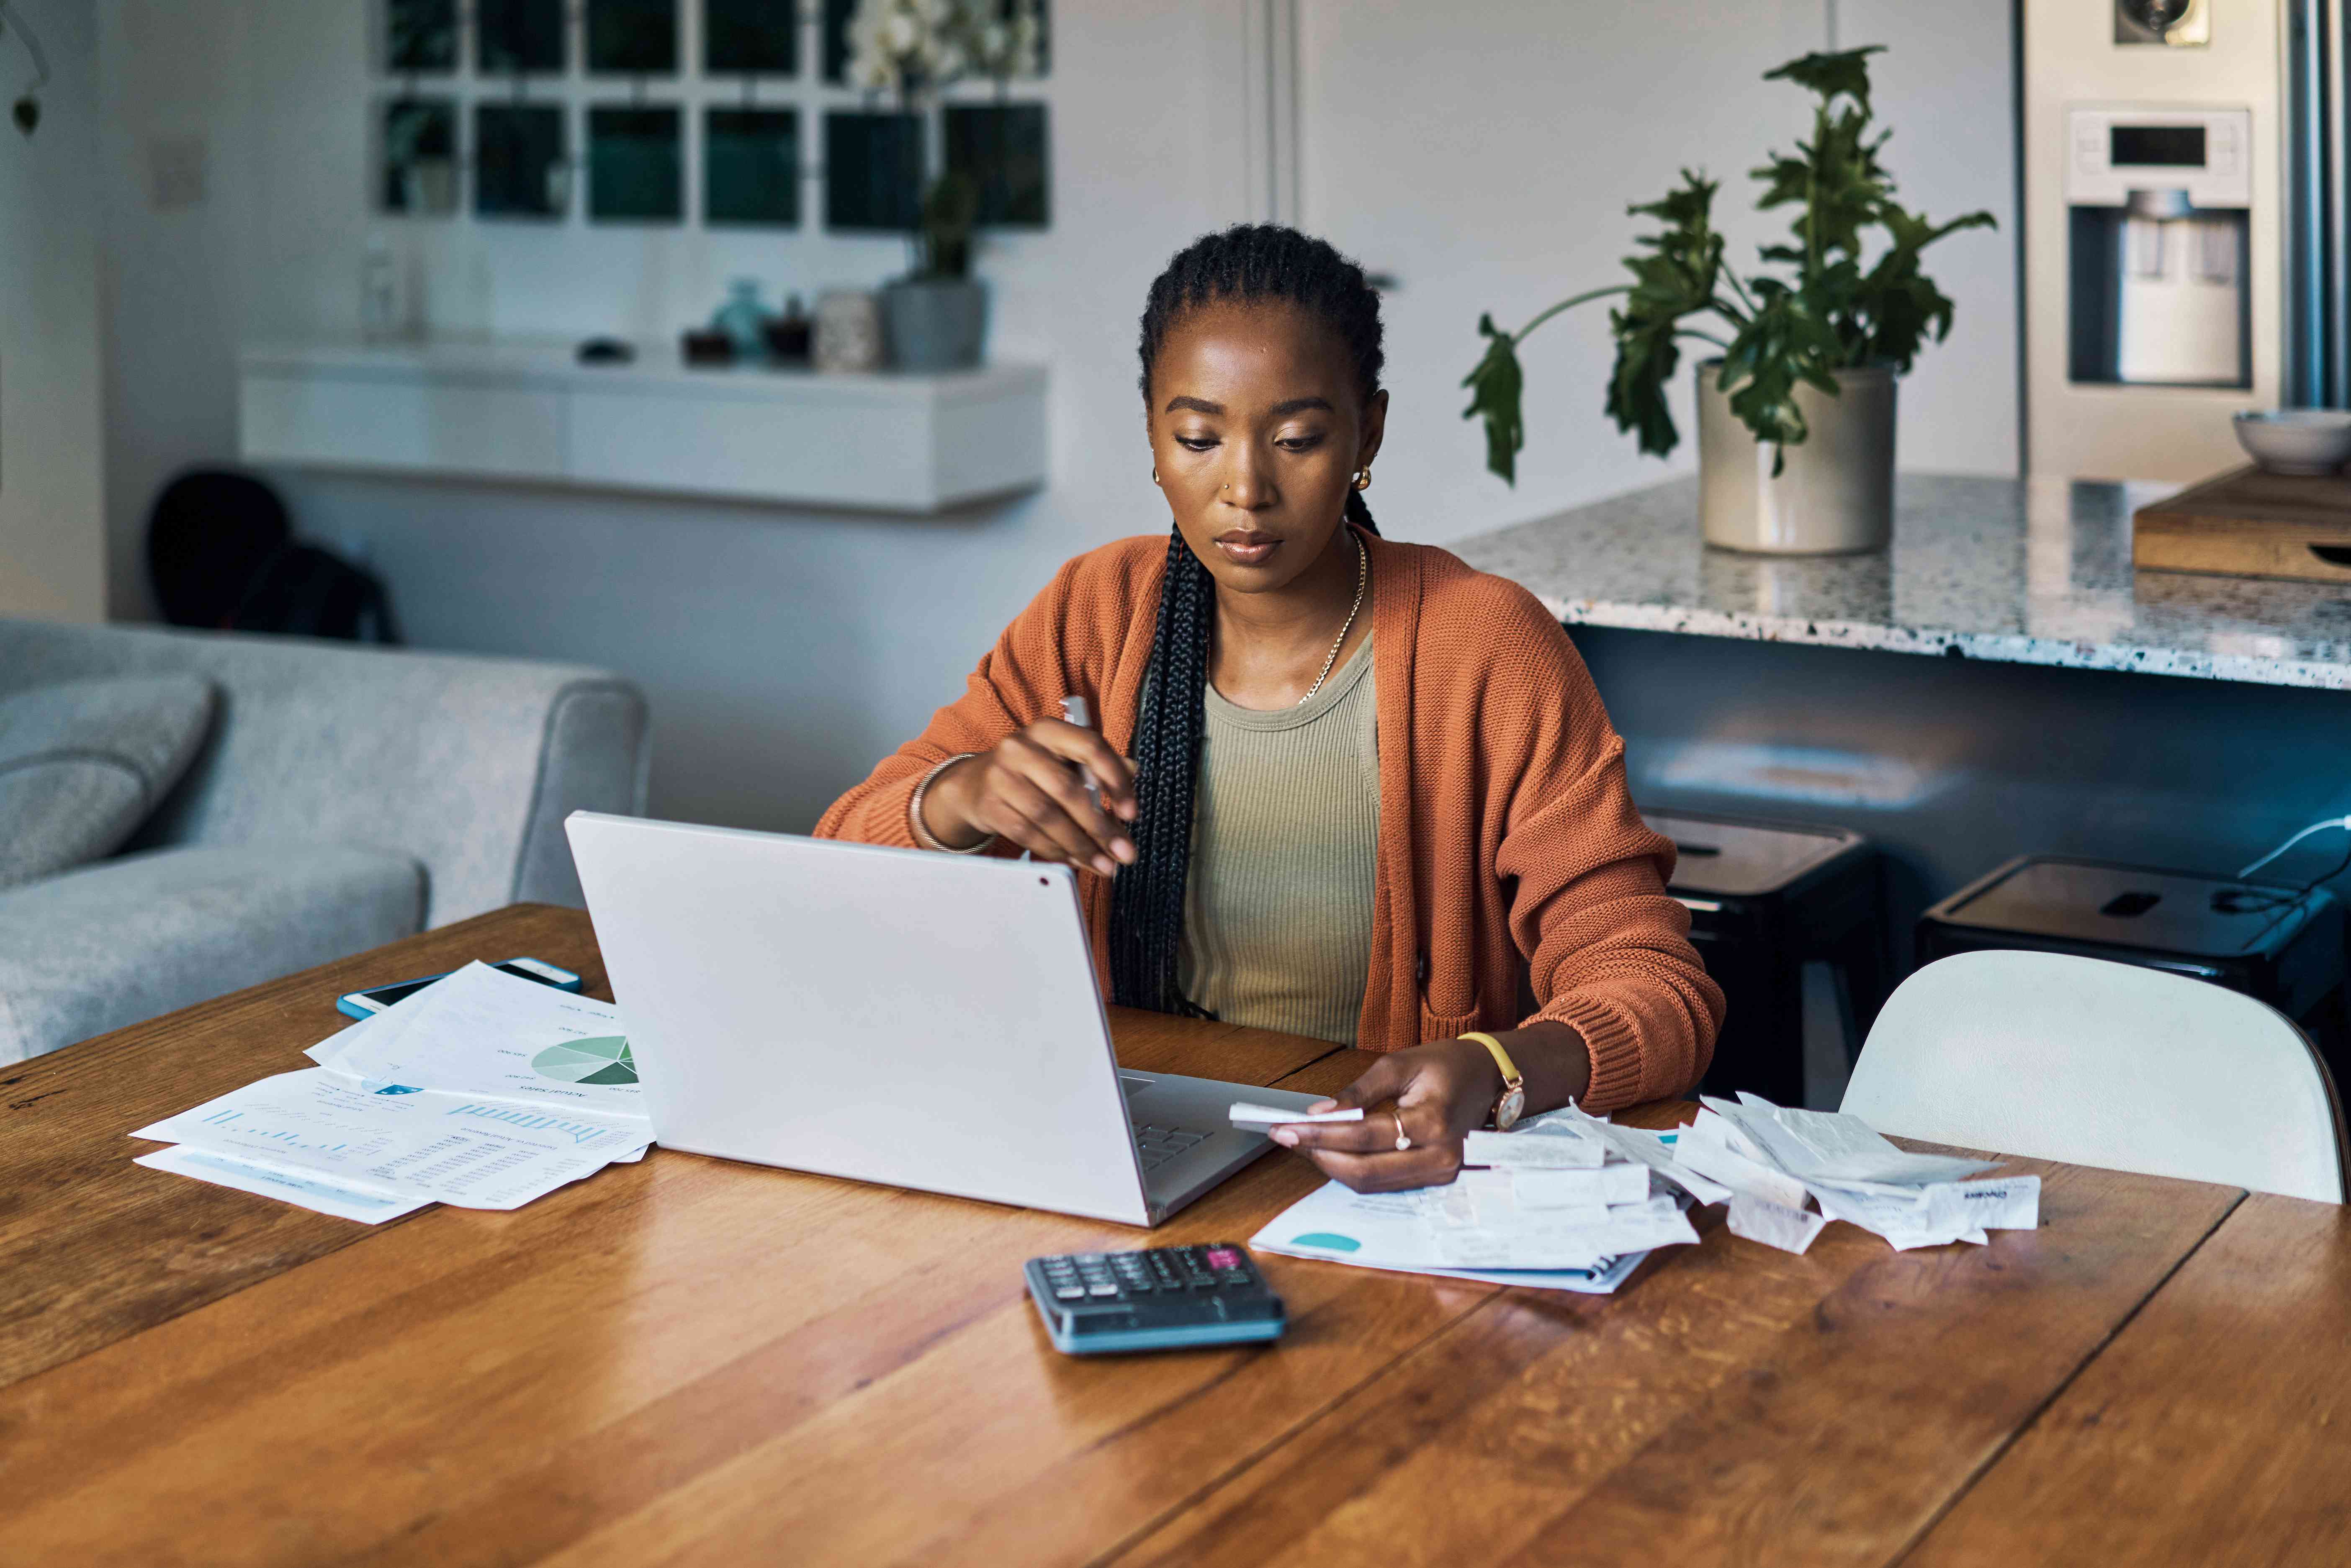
[1599, 1188]
[1773, 1224]
[413, 1144]
[1828, 1145]
[1543, 1144]
[1244, 1115]
[1736, 1171]
[1649, 1149]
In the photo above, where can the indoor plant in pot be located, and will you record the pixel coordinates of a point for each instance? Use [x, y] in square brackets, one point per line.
[1796, 415]
[936, 316]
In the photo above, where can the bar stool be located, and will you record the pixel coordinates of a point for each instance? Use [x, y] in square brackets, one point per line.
[2282, 946]
[1790, 922]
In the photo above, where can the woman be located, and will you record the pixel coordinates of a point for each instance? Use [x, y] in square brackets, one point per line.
[1372, 790]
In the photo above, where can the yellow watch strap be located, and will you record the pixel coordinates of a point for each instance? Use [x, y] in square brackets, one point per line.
[1510, 1076]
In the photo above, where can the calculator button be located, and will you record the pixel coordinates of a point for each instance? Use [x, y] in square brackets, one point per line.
[1105, 1289]
[1068, 1294]
[1223, 1258]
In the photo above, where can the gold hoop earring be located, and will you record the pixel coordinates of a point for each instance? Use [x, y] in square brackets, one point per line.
[1155, 473]
[1363, 478]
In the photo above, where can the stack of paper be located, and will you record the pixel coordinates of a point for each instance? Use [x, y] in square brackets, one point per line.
[1568, 1203]
[1773, 1158]
[482, 1090]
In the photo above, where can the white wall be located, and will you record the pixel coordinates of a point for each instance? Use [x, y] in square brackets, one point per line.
[52, 530]
[174, 88]
[1484, 152]
[784, 650]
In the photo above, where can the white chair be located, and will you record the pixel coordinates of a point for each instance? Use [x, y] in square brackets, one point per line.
[2061, 1058]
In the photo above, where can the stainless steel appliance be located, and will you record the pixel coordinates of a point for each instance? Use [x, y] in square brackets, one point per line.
[2184, 226]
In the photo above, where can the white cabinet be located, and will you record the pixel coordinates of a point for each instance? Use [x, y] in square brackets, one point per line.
[527, 410]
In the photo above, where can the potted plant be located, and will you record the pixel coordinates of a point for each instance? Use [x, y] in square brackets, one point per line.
[935, 317]
[1796, 414]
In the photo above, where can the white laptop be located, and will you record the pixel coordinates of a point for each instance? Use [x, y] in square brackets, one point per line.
[920, 1019]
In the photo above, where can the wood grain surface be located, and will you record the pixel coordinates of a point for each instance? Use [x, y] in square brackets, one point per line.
[2216, 1429]
[2250, 523]
[685, 1359]
[692, 1361]
[1735, 1405]
[93, 1246]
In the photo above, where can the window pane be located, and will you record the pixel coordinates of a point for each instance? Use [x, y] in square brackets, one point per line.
[838, 14]
[872, 170]
[422, 35]
[633, 38]
[518, 34]
[420, 156]
[759, 37]
[1002, 148]
[751, 166]
[634, 166]
[518, 168]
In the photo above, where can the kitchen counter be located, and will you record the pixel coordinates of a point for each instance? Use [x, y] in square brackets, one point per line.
[2032, 572]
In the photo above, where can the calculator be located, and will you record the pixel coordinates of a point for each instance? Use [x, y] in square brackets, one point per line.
[1162, 1298]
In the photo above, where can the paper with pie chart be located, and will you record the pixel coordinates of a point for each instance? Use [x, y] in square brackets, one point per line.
[603, 1058]
[489, 1034]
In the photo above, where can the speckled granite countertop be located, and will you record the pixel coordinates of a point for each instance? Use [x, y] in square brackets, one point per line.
[2031, 571]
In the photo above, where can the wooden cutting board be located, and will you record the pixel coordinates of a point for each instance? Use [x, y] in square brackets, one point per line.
[2247, 523]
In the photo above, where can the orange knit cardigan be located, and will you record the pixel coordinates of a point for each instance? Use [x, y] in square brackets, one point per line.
[1507, 833]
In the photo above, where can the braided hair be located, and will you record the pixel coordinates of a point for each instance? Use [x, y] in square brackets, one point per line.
[1248, 264]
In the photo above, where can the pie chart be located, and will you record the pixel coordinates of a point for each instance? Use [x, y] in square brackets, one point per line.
[604, 1060]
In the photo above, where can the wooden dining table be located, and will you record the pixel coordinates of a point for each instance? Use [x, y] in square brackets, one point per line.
[693, 1361]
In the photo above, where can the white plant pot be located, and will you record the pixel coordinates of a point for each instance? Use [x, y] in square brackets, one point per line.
[1835, 496]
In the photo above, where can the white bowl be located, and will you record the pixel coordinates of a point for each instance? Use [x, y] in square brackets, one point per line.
[2296, 440]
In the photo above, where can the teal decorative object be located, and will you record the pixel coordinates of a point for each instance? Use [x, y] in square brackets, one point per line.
[743, 319]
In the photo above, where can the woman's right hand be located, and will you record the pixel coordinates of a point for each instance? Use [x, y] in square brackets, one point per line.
[1026, 789]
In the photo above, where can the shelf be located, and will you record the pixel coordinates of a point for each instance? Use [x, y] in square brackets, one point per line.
[527, 410]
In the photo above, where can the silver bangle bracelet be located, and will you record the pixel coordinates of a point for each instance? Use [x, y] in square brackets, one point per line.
[914, 810]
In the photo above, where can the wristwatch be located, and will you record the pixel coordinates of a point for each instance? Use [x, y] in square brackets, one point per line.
[1513, 1103]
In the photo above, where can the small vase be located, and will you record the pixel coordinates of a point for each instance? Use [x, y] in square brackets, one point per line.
[743, 319]
[935, 323]
[1835, 497]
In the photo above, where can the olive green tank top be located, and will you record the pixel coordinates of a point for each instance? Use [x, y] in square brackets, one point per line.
[1285, 856]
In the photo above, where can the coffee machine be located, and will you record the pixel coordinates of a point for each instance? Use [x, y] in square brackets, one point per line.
[2154, 262]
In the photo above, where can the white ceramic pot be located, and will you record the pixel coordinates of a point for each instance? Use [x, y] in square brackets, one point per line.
[1835, 496]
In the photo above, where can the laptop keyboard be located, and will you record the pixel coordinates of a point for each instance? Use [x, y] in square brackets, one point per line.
[1157, 1145]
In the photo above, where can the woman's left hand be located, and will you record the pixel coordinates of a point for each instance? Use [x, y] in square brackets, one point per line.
[1434, 1093]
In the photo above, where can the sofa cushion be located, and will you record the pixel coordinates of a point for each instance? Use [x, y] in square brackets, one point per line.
[82, 764]
[111, 944]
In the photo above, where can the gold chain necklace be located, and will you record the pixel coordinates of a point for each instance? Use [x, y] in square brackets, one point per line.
[1362, 576]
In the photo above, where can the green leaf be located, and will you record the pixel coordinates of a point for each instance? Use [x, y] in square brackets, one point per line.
[1494, 392]
[1846, 74]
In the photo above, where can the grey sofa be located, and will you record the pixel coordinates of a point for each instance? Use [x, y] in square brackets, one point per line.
[344, 797]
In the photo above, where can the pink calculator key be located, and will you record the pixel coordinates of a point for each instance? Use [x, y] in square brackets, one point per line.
[1223, 1258]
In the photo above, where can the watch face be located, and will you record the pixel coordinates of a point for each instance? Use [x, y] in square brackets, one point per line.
[1507, 1109]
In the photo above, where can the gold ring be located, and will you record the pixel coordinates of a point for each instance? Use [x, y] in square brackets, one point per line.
[1403, 1142]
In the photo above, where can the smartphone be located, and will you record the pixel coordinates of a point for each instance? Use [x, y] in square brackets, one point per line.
[367, 1004]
